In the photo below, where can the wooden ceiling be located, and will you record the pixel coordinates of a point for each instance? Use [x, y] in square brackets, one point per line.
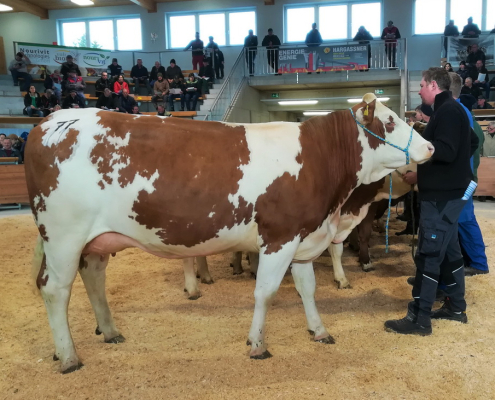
[40, 7]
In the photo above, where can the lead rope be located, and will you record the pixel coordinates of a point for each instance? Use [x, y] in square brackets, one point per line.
[388, 214]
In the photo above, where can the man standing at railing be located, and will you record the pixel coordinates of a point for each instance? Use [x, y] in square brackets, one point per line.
[471, 30]
[450, 30]
[390, 34]
[251, 49]
[313, 38]
[272, 43]
[364, 37]
[197, 47]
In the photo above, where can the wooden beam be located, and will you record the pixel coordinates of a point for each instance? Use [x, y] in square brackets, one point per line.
[150, 5]
[269, 2]
[3, 59]
[23, 5]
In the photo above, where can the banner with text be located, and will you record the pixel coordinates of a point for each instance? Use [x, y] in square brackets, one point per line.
[323, 58]
[51, 55]
[459, 48]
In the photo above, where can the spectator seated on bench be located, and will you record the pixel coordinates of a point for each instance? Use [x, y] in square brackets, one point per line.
[2, 136]
[102, 84]
[54, 82]
[32, 103]
[18, 69]
[114, 69]
[173, 70]
[176, 90]
[48, 102]
[126, 102]
[160, 110]
[161, 89]
[120, 84]
[8, 151]
[73, 100]
[107, 101]
[139, 74]
[68, 66]
[192, 92]
[75, 82]
[207, 75]
[157, 68]
[135, 110]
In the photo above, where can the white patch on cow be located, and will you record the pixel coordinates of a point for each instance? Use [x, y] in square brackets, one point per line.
[273, 150]
[210, 215]
[118, 142]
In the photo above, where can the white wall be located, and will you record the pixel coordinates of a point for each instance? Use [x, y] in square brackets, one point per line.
[424, 51]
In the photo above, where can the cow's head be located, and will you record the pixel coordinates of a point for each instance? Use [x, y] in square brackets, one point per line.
[383, 122]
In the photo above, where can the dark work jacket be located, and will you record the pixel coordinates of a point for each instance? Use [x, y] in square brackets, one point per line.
[363, 38]
[451, 31]
[137, 72]
[463, 73]
[251, 42]
[473, 91]
[27, 100]
[108, 102]
[101, 85]
[49, 102]
[115, 70]
[313, 38]
[274, 39]
[197, 46]
[473, 57]
[64, 71]
[172, 72]
[475, 73]
[127, 104]
[447, 175]
[68, 101]
[469, 28]
[207, 71]
[154, 72]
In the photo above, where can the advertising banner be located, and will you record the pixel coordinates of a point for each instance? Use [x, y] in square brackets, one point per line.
[458, 49]
[323, 58]
[54, 56]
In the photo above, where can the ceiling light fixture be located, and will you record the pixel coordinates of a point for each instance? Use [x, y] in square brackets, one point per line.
[297, 102]
[5, 8]
[360, 100]
[83, 2]
[309, 113]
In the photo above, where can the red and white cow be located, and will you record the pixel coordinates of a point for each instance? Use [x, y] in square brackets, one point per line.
[100, 182]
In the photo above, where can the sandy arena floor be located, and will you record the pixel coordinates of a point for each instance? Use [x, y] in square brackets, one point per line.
[177, 348]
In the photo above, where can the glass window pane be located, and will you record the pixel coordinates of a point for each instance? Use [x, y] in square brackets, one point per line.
[101, 34]
[182, 29]
[299, 21]
[333, 22]
[212, 25]
[459, 12]
[490, 15]
[129, 34]
[239, 24]
[369, 16]
[74, 34]
[429, 16]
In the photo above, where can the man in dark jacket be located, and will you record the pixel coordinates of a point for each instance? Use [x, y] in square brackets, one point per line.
[482, 104]
[197, 47]
[210, 49]
[250, 50]
[73, 101]
[219, 63]
[207, 75]
[139, 74]
[272, 44]
[364, 37]
[115, 69]
[475, 54]
[450, 30]
[471, 30]
[477, 73]
[126, 102]
[157, 69]
[390, 34]
[173, 70]
[442, 184]
[107, 101]
[469, 88]
[102, 84]
[68, 66]
[313, 38]
[8, 151]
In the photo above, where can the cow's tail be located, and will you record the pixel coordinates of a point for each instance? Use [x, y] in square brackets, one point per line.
[39, 254]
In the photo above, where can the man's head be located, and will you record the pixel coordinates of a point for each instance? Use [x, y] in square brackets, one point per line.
[48, 92]
[135, 110]
[479, 64]
[107, 92]
[468, 82]
[205, 61]
[172, 63]
[139, 62]
[157, 64]
[69, 59]
[2, 137]
[56, 108]
[474, 48]
[491, 128]
[462, 65]
[435, 81]
[191, 77]
[455, 85]
[270, 32]
[104, 76]
[7, 144]
[160, 108]
[159, 76]
[210, 39]
[250, 32]
[73, 73]
[481, 101]
[125, 93]
[19, 56]
[451, 22]
[419, 113]
[114, 61]
[197, 35]
[470, 20]
[73, 93]
[314, 25]
[390, 24]
[361, 29]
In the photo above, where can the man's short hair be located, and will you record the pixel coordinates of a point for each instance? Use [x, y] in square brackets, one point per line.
[468, 79]
[69, 56]
[19, 54]
[481, 97]
[492, 124]
[270, 30]
[455, 85]
[439, 75]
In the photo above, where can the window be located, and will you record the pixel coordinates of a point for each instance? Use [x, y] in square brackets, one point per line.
[332, 22]
[335, 22]
[429, 16]
[460, 13]
[107, 34]
[227, 27]
[369, 16]
[213, 25]
[490, 15]
[240, 23]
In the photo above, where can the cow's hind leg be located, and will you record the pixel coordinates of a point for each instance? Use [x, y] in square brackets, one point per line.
[254, 260]
[203, 271]
[55, 280]
[336, 250]
[271, 271]
[236, 263]
[364, 232]
[304, 279]
[191, 284]
[92, 269]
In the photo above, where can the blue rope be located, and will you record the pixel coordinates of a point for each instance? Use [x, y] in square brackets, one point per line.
[405, 150]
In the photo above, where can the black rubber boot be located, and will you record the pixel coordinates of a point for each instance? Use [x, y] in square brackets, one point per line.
[409, 325]
[445, 312]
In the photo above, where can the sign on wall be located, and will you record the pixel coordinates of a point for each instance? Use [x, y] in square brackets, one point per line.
[47, 54]
[323, 58]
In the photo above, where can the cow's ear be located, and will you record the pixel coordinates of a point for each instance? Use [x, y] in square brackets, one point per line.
[367, 110]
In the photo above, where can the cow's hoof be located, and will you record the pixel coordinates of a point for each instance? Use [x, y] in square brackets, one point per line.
[326, 340]
[97, 331]
[248, 343]
[368, 267]
[55, 358]
[231, 265]
[116, 340]
[197, 276]
[73, 368]
[207, 281]
[194, 297]
[253, 275]
[343, 284]
[312, 333]
[263, 356]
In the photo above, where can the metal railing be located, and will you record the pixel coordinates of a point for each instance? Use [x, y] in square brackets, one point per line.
[261, 61]
[229, 92]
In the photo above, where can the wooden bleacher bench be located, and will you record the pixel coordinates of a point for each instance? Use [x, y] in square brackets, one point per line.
[21, 120]
[13, 188]
[486, 177]
[181, 114]
[9, 160]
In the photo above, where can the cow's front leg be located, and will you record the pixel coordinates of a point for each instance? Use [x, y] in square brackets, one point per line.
[236, 263]
[190, 282]
[271, 271]
[203, 271]
[336, 250]
[304, 279]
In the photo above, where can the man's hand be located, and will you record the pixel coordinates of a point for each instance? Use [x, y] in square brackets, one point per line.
[476, 81]
[33, 107]
[410, 177]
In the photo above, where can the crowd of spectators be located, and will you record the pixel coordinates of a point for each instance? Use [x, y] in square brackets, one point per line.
[13, 145]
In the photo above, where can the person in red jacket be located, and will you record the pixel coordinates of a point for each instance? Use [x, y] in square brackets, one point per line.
[120, 84]
[390, 34]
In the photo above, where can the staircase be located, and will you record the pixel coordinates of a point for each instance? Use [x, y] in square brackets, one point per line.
[11, 101]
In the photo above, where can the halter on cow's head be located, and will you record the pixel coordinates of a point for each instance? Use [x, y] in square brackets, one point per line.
[391, 141]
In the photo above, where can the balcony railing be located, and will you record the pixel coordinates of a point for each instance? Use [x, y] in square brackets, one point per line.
[335, 56]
